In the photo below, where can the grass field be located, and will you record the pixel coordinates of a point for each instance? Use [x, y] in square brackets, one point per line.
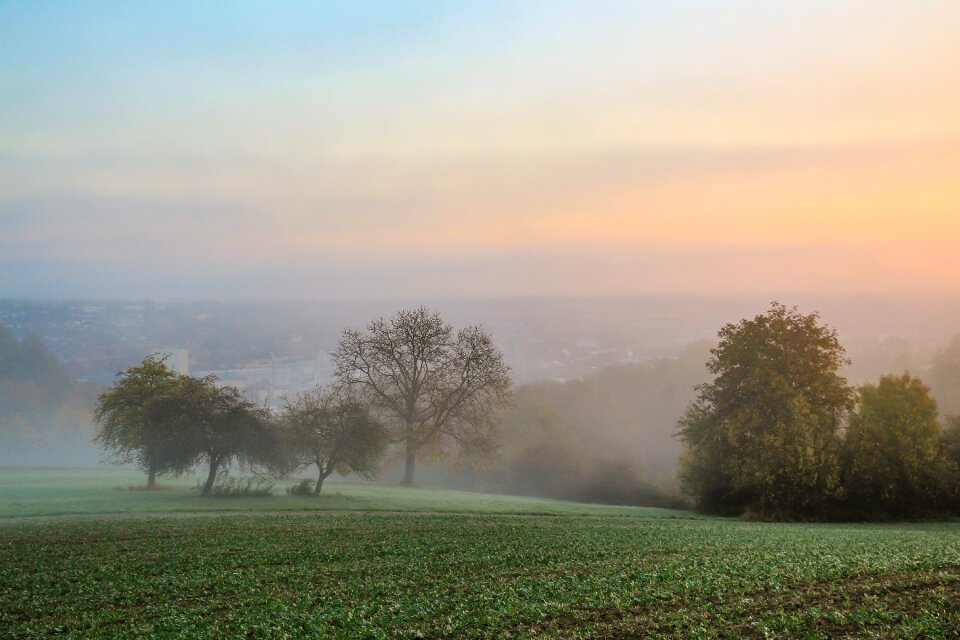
[566, 571]
[46, 493]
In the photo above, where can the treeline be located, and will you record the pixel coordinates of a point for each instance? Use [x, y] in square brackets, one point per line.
[793, 439]
[169, 424]
[780, 434]
[409, 380]
[44, 413]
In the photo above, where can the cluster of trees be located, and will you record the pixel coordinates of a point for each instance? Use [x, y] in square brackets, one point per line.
[779, 433]
[168, 424]
[410, 380]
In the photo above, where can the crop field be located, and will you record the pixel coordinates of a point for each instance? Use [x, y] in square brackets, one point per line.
[353, 574]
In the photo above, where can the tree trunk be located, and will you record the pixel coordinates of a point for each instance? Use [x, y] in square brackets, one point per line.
[320, 479]
[211, 477]
[410, 465]
[152, 478]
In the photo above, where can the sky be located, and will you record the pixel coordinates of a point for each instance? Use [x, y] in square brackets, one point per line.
[470, 149]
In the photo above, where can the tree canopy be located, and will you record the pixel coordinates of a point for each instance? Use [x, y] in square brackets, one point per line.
[221, 428]
[433, 387]
[892, 457]
[763, 435]
[169, 423]
[335, 431]
[137, 422]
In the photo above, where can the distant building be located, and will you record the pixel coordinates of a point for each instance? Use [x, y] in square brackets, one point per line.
[177, 360]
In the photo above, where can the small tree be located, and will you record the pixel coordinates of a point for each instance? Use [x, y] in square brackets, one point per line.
[892, 462]
[430, 385]
[136, 420]
[336, 432]
[762, 436]
[224, 428]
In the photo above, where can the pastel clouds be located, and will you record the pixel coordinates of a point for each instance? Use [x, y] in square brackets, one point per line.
[513, 149]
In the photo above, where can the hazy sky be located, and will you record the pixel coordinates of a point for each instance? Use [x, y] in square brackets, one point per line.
[231, 149]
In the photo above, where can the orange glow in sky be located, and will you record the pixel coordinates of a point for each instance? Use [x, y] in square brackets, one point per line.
[467, 150]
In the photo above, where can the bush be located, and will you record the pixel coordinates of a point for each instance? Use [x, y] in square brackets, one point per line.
[552, 470]
[612, 481]
[242, 488]
[303, 488]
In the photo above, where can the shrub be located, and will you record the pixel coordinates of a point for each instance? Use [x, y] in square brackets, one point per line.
[303, 488]
[242, 488]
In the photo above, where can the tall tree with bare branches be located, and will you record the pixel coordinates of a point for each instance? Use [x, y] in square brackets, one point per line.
[434, 387]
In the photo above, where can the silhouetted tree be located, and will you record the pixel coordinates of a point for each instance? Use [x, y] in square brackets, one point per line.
[334, 431]
[430, 385]
[762, 436]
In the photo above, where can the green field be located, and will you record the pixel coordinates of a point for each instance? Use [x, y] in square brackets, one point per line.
[66, 493]
[384, 562]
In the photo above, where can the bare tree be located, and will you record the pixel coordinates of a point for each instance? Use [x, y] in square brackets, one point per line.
[432, 386]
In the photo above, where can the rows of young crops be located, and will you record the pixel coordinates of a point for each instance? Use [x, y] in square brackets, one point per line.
[407, 576]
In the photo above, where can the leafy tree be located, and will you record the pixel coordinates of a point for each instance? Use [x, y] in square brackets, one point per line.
[220, 428]
[136, 419]
[892, 461]
[433, 387]
[763, 435]
[336, 432]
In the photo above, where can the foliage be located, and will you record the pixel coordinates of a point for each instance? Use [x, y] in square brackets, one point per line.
[434, 388]
[302, 488]
[892, 461]
[136, 419]
[762, 436]
[221, 428]
[411, 576]
[335, 431]
[169, 423]
[242, 488]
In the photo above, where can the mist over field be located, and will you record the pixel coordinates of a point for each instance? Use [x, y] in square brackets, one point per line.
[600, 382]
